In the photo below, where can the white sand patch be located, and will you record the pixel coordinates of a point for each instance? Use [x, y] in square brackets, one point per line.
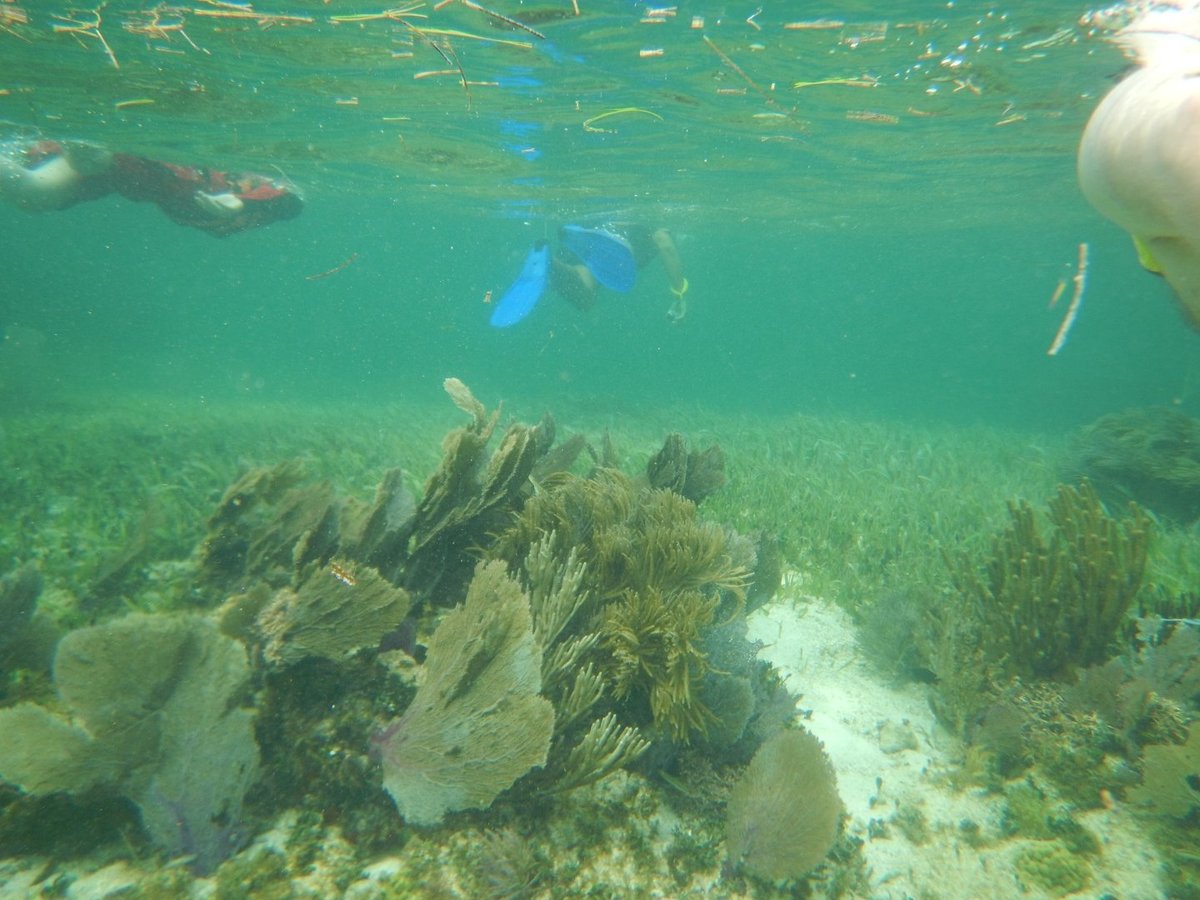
[857, 713]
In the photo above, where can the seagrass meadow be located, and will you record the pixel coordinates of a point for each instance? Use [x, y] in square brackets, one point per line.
[128, 547]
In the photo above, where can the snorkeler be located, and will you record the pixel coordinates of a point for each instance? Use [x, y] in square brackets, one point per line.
[52, 175]
[588, 258]
[1138, 161]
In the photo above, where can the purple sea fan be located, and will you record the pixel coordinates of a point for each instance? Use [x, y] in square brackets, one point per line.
[478, 722]
[784, 811]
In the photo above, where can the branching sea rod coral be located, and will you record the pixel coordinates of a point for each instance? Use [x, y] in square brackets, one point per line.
[654, 647]
[1045, 604]
[658, 578]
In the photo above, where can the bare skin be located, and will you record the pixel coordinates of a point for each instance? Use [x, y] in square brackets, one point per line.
[1138, 166]
[578, 286]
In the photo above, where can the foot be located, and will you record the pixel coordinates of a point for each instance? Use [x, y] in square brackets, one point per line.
[223, 206]
[678, 311]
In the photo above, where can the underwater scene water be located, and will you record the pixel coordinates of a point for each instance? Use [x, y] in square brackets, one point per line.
[854, 556]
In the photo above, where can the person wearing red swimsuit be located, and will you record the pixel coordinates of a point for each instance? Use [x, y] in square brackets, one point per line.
[46, 175]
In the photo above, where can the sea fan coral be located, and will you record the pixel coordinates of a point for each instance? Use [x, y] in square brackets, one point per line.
[784, 811]
[477, 723]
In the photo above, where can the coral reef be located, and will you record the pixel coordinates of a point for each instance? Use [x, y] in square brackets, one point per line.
[784, 811]
[498, 647]
[154, 716]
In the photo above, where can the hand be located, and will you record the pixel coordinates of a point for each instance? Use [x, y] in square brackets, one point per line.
[678, 309]
[222, 206]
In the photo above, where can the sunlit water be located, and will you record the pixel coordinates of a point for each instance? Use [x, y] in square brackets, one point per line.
[885, 250]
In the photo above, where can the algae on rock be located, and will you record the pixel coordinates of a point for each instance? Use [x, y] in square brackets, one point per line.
[154, 716]
[1171, 777]
[478, 722]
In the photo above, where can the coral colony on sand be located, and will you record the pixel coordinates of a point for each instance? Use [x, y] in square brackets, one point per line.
[533, 677]
[519, 632]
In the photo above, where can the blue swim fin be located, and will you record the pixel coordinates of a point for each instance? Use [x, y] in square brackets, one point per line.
[608, 256]
[520, 299]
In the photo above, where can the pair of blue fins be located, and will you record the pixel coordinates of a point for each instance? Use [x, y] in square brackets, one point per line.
[608, 256]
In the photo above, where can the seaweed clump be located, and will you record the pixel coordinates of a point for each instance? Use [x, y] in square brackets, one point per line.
[1151, 456]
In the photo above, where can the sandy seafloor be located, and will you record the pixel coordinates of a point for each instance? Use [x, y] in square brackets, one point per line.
[889, 753]
[865, 722]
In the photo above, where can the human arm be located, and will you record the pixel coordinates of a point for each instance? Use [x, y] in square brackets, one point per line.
[669, 254]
